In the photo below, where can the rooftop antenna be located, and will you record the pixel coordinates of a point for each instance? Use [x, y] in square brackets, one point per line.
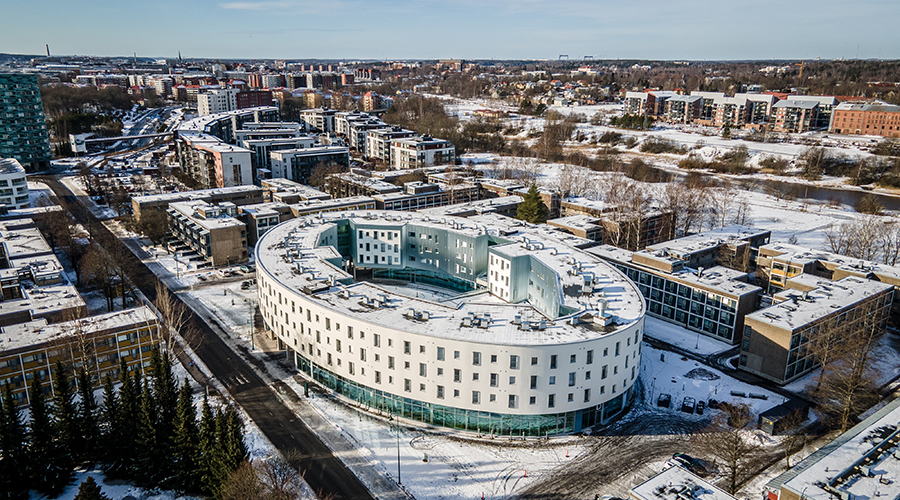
[135, 58]
[48, 49]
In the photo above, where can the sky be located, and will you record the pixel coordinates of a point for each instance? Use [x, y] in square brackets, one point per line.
[467, 29]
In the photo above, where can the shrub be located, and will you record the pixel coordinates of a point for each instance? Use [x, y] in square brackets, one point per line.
[869, 204]
[610, 137]
[654, 145]
[774, 164]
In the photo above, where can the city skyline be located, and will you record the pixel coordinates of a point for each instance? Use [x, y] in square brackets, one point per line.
[529, 29]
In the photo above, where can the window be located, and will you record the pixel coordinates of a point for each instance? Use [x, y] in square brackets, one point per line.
[605, 351]
[440, 392]
[572, 358]
[552, 361]
[513, 401]
[617, 348]
[534, 381]
[590, 357]
[571, 379]
[377, 340]
[457, 375]
[493, 358]
[513, 362]
[407, 385]
[455, 354]
[476, 358]
[423, 371]
[512, 380]
[534, 360]
[552, 380]
[362, 354]
[587, 395]
[390, 362]
[421, 349]
[603, 371]
[350, 367]
[551, 400]
[475, 377]
[440, 353]
[532, 400]
[407, 348]
[377, 377]
[476, 397]
[494, 378]
[571, 397]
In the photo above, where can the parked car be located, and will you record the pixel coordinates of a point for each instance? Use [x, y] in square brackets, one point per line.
[249, 268]
[688, 405]
[664, 401]
[713, 404]
[246, 285]
[696, 465]
[700, 407]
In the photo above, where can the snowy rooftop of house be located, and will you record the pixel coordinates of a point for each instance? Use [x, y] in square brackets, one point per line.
[580, 221]
[796, 309]
[796, 254]
[264, 209]
[861, 463]
[23, 242]
[587, 203]
[820, 99]
[289, 254]
[285, 186]
[11, 166]
[312, 206]
[200, 124]
[417, 140]
[473, 207]
[859, 106]
[719, 279]
[199, 194]
[677, 483]
[790, 103]
[219, 219]
[685, 98]
[369, 182]
[709, 239]
[507, 226]
[39, 331]
[313, 151]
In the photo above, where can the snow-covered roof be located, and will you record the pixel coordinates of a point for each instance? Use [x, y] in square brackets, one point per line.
[39, 331]
[795, 254]
[472, 207]
[678, 483]
[859, 464]
[11, 166]
[709, 239]
[790, 103]
[794, 308]
[289, 253]
[217, 218]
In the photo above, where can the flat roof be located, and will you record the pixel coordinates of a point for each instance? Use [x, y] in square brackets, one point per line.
[678, 483]
[289, 253]
[478, 206]
[797, 309]
[198, 194]
[190, 210]
[11, 166]
[39, 331]
[791, 103]
[795, 254]
[832, 466]
[709, 239]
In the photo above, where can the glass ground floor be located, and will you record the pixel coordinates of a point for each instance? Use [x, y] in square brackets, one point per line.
[468, 420]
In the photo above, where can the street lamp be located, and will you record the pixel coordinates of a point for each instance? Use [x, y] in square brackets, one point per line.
[398, 445]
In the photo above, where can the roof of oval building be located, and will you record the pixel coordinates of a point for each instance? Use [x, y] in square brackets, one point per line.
[293, 254]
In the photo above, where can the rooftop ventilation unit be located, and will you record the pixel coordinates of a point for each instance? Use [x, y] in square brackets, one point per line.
[517, 319]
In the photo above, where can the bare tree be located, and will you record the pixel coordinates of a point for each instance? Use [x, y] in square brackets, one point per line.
[721, 201]
[272, 479]
[173, 323]
[860, 238]
[686, 202]
[573, 181]
[726, 439]
[794, 439]
[826, 344]
[890, 243]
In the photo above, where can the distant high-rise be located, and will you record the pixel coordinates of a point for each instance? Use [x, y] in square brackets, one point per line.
[23, 129]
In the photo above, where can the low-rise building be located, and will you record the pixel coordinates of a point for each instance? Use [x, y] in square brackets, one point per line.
[504, 205]
[683, 108]
[421, 151]
[866, 119]
[297, 164]
[860, 463]
[775, 339]
[99, 343]
[13, 185]
[288, 191]
[262, 217]
[795, 116]
[420, 195]
[378, 142]
[677, 483]
[355, 184]
[622, 228]
[318, 120]
[213, 231]
[312, 207]
[239, 195]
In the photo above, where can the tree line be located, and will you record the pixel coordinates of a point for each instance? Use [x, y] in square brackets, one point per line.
[147, 431]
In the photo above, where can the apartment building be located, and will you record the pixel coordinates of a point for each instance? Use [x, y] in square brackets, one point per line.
[214, 101]
[421, 151]
[795, 116]
[213, 231]
[505, 205]
[378, 142]
[651, 102]
[297, 164]
[98, 343]
[357, 131]
[238, 195]
[253, 99]
[683, 109]
[23, 129]
[824, 108]
[354, 184]
[13, 185]
[420, 195]
[288, 191]
[779, 262]
[707, 105]
[318, 120]
[774, 339]
[261, 217]
[348, 204]
[866, 119]
[619, 227]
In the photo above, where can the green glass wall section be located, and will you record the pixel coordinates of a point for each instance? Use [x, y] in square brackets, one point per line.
[458, 418]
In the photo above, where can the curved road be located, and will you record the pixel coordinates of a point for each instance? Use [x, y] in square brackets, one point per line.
[324, 472]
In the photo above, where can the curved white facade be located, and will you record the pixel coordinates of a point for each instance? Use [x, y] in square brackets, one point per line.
[538, 338]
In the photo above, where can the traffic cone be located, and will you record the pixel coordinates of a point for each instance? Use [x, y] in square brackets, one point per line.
[482, 495]
[526, 473]
[567, 453]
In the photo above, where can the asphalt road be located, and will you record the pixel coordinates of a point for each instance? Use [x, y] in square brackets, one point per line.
[324, 472]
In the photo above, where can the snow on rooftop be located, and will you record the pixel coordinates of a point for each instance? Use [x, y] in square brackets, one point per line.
[677, 483]
[289, 253]
[39, 331]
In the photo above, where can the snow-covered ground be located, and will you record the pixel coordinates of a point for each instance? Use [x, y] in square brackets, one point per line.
[39, 193]
[682, 337]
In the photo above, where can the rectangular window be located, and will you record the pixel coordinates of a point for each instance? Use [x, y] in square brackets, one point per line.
[407, 385]
[494, 378]
[552, 380]
[390, 362]
[493, 358]
[534, 381]
[423, 371]
[440, 392]
[587, 395]
[534, 360]
[513, 401]
[362, 354]
[407, 348]
[457, 375]
[590, 357]
[571, 379]
[476, 358]
[603, 371]
[572, 358]
[377, 377]
[513, 362]
[440, 353]
[551, 400]
[552, 361]
[377, 340]
[617, 348]
[476, 397]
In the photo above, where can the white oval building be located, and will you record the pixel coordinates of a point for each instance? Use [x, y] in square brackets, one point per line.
[486, 324]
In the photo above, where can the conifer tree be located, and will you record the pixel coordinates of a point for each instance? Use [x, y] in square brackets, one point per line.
[51, 469]
[207, 448]
[235, 450]
[122, 457]
[87, 417]
[185, 444]
[13, 454]
[532, 209]
[90, 490]
[66, 425]
[148, 465]
[165, 399]
[110, 427]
